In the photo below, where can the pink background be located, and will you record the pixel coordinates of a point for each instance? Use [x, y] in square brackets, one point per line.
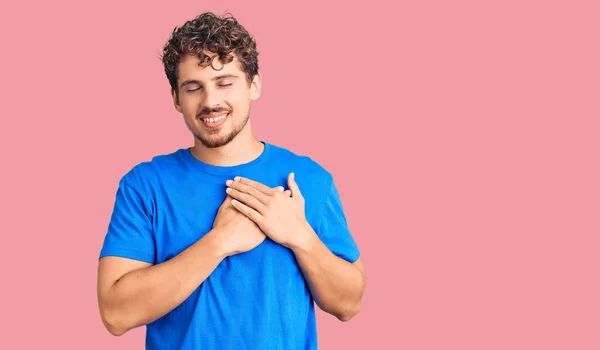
[463, 135]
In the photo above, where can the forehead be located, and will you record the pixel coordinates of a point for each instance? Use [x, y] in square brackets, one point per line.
[189, 68]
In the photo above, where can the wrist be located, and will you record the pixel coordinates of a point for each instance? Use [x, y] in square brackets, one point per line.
[218, 244]
[304, 239]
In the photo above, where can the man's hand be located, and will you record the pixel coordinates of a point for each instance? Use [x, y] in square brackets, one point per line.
[336, 285]
[279, 215]
[236, 233]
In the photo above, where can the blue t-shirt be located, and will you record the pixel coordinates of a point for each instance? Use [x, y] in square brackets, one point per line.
[254, 300]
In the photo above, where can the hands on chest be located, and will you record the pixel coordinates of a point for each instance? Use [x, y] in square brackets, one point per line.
[253, 211]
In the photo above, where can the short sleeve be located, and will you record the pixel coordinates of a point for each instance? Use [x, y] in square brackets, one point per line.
[333, 227]
[129, 232]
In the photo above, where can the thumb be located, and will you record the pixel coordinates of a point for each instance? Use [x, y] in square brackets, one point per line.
[293, 186]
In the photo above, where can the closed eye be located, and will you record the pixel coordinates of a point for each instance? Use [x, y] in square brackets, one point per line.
[219, 85]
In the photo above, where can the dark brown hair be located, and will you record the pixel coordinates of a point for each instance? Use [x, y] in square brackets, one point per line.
[219, 35]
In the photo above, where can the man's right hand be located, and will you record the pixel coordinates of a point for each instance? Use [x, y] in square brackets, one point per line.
[235, 232]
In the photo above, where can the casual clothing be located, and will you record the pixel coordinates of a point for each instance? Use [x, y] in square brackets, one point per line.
[255, 300]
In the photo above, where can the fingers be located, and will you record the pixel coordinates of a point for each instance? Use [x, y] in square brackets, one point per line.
[248, 212]
[293, 186]
[247, 199]
[256, 185]
[252, 191]
[286, 192]
[256, 189]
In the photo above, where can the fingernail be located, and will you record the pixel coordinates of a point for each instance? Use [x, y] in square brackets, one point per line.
[228, 190]
[237, 178]
[228, 182]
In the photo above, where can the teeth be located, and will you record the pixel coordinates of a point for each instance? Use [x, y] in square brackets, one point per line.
[213, 120]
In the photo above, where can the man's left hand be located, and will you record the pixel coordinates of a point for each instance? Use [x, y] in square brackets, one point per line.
[280, 214]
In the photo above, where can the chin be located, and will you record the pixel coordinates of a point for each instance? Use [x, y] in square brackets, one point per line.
[215, 140]
[220, 137]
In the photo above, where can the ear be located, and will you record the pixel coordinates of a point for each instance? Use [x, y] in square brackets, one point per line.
[175, 101]
[255, 86]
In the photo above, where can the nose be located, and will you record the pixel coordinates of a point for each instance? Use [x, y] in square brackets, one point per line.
[211, 99]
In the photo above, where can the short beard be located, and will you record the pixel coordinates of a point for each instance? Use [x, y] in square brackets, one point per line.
[222, 141]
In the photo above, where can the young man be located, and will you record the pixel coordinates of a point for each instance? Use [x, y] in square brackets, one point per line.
[226, 244]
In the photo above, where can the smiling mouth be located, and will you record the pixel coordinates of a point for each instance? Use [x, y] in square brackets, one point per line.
[214, 121]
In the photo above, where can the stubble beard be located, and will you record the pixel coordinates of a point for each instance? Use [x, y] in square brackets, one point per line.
[214, 140]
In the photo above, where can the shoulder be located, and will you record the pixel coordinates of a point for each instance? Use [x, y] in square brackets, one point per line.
[142, 175]
[306, 168]
[306, 164]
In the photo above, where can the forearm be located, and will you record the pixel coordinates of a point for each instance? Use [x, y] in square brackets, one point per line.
[337, 285]
[144, 295]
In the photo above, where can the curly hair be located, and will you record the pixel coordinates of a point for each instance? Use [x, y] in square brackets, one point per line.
[219, 35]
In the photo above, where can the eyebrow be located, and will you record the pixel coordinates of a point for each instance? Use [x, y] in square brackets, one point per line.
[218, 77]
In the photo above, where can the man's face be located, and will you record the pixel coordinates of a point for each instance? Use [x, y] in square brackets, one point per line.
[215, 103]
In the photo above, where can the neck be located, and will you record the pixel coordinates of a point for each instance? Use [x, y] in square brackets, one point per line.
[242, 149]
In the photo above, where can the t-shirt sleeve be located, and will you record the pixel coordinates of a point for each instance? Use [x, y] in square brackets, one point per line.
[130, 232]
[333, 227]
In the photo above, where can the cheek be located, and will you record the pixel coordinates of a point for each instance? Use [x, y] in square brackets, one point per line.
[189, 111]
[237, 99]
[189, 106]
